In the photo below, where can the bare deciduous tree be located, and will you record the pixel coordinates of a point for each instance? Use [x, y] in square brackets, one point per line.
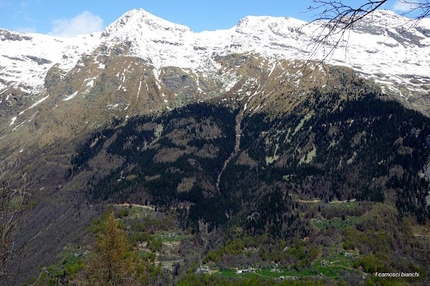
[338, 16]
[12, 204]
[114, 262]
[344, 16]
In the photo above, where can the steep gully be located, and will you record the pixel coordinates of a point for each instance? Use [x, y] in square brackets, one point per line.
[239, 118]
[236, 149]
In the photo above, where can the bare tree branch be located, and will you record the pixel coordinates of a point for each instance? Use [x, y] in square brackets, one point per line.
[12, 205]
[338, 13]
[337, 18]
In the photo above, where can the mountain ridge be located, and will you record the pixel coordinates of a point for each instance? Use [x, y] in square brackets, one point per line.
[128, 70]
[239, 132]
[166, 43]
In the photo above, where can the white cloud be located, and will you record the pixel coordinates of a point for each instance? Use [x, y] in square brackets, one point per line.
[84, 23]
[401, 6]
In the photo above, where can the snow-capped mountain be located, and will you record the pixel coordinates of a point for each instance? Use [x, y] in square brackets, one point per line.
[26, 58]
[148, 110]
[386, 46]
[244, 128]
[142, 64]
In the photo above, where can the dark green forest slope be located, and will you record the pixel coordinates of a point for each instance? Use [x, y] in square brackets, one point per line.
[336, 176]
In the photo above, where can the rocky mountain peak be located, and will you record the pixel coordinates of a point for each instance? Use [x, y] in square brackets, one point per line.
[234, 128]
[6, 35]
[140, 23]
[263, 24]
[386, 14]
[384, 22]
[380, 48]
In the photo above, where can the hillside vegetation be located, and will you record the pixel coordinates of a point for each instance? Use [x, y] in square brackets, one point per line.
[334, 189]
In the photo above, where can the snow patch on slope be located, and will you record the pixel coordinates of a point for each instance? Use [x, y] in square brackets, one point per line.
[24, 63]
[385, 43]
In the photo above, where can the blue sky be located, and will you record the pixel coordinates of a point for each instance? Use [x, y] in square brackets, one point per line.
[67, 18]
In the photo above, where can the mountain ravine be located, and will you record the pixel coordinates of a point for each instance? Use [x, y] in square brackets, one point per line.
[219, 152]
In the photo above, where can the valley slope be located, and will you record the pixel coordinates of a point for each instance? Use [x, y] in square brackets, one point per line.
[236, 132]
